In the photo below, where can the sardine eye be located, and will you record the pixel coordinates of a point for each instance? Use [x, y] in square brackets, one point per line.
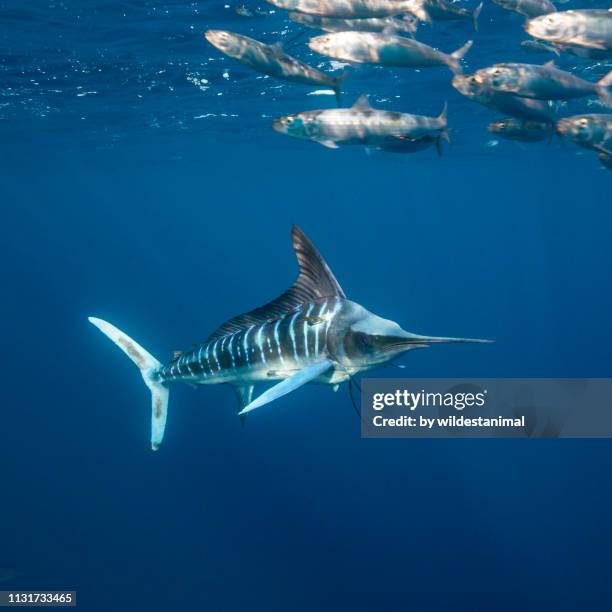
[290, 120]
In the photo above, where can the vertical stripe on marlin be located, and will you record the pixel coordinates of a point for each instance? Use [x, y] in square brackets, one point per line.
[200, 360]
[222, 354]
[307, 326]
[231, 352]
[260, 343]
[245, 345]
[277, 340]
[188, 365]
[207, 360]
[238, 350]
[292, 334]
[318, 327]
[214, 352]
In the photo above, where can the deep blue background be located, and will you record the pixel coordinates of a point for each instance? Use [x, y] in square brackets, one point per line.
[124, 205]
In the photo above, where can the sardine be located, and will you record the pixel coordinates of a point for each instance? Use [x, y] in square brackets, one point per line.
[589, 28]
[528, 8]
[589, 131]
[407, 23]
[543, 82]
[442, 10]
[385, 50]
[523, 131]
[359, 125]
[271, 60]
[346, 9]
[475, 88]
[535, 46]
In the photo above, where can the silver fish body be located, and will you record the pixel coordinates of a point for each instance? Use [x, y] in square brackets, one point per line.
[592, 131]
[359, 125]
[475, 88]
[588, 28]
[535, 46]
[267, 351]
[385, 50]
[441, 10]
[270, 59]
[311, 333]
[346, 9]
[528, 8]
[542, 82]
[585, 52]
[522, 131]
[406, 23]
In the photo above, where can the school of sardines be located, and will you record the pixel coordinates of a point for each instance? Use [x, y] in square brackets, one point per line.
[382, 33]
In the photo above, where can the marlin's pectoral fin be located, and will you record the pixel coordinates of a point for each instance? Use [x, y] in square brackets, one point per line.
[330, 144]
[289, 384]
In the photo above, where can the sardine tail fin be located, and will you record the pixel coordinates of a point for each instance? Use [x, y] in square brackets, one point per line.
[604, 87]
[338, 81]
[476, 14]
[443, 115]
[148, 366]
[458, 55]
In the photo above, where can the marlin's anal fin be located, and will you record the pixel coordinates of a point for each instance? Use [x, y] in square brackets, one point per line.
[292, 383]
[244, 393]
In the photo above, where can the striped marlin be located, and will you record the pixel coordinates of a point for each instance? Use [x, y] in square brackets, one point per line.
[310, 333]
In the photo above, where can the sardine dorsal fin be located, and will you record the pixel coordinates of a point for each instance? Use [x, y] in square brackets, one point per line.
[362, 103]
[315, 281]
[550, 64]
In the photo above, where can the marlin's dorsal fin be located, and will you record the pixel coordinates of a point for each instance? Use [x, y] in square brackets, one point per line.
[314, 282]
[362, 103]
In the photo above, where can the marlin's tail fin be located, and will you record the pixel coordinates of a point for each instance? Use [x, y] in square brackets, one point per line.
[603, 89]
[458, 55]
[148, 366]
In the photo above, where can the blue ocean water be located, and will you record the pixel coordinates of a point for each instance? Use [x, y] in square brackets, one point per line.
[141, 182]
